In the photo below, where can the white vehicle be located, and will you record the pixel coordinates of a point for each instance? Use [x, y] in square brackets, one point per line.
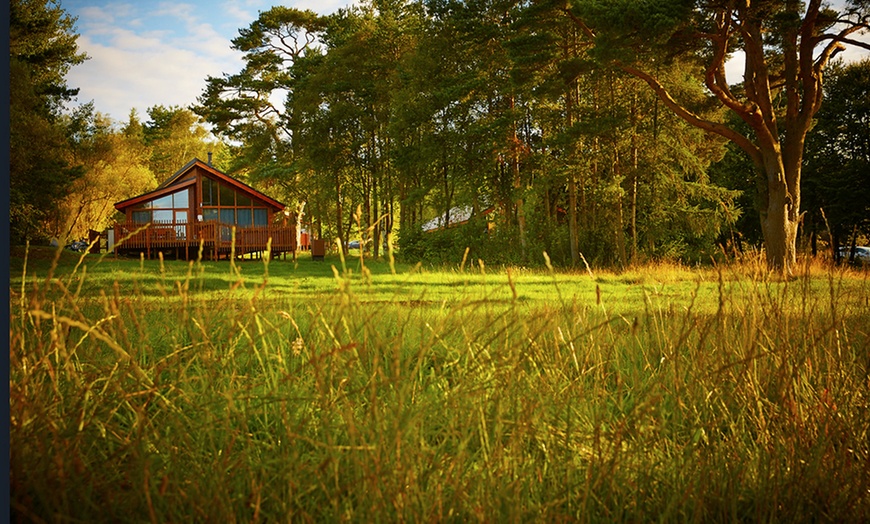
[862, 254]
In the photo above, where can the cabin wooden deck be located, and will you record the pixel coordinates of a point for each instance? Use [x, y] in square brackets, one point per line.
[215, 239]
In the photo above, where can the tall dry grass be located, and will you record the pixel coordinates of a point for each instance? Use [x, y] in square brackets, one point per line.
[258, 408]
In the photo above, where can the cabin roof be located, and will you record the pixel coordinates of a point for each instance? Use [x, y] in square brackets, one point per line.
[177, 181]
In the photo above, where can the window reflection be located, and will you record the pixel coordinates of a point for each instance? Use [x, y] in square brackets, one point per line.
[162, 215]
[209, 192]
[181, 199]
[243, 217]
[226, 196]
[164, 202]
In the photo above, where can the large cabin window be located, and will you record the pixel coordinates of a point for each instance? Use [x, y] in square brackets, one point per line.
[226, 196]
[161, 216]
[243, 216]
[166, 209]
[163, 202]
[224, 204]
[209, 192]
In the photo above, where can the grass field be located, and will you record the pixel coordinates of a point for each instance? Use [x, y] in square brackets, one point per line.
[351, 390]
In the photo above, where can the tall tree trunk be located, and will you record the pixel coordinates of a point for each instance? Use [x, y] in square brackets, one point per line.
[780, 215]
[448, 195]
[339, 219]
[517, 182]
[571, 96]
[406, 210]
[573, 233]
[371, 190]
[376, 226]
[619, 226]
[632, 190]
[617, 176]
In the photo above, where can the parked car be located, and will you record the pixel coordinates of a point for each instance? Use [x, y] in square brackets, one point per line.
[862, 254]
[353, 244]
[79, 246]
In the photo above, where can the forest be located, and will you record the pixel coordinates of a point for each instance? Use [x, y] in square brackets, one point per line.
[598, 132]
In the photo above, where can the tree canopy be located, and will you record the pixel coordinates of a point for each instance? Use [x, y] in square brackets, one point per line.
[838, 158]
[68, 167]
[42, 47]
[596, 131]
[407, 110]
[786, 47]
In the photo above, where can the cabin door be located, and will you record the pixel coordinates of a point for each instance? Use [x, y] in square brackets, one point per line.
[181, 225]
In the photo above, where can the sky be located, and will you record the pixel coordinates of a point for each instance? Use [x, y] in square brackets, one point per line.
[145, 53]
[152, 52]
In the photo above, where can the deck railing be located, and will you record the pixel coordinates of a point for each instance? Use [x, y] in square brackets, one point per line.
[215, 237]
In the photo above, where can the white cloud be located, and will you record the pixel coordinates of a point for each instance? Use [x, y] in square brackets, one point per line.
[148, 53]
[233, 11]
[89, 17]
[321, 6]
[143, 70]
[182, 11]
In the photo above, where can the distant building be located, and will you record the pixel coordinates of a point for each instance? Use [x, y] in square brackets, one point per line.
[456, 217]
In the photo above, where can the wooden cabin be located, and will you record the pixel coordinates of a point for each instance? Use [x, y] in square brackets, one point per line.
[200, 207]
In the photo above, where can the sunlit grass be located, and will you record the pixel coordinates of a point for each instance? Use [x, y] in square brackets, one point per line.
[177, 391]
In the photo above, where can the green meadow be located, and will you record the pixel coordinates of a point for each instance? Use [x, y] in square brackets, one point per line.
[363, 390]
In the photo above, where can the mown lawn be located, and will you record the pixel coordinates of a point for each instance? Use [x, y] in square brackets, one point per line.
[365, 391]
[377, 282]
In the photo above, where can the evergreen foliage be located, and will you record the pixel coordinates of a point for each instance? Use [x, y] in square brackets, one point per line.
[42, 48]
[838, 159]
[536, 116]
[395, 112]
